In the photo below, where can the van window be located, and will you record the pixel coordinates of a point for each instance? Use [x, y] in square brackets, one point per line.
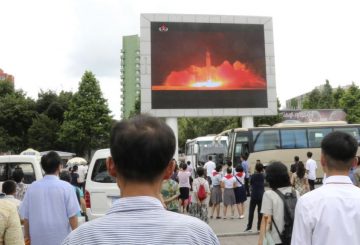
[100, 173]
[7, 169]
[316, 135]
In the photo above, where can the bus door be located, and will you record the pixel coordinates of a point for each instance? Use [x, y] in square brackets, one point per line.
[241, 146]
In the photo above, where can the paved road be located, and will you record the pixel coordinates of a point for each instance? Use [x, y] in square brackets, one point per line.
[231, 231]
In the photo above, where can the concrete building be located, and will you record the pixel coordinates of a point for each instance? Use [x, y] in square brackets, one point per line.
[130, 74]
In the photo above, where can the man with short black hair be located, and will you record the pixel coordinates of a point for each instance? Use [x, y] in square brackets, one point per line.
[311, 167]
[50, 206]
[294, 166]
[209, 167]
[141, 152]
[330, 215]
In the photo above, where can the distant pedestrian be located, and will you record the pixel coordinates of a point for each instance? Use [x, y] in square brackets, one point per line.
[330, 214]
[170, 193]
[216, 193]
[82, 171]
[311, 167]
[184, 185]
[209, 167]
[174, 175]
[257, 190]
[228, 183]
[75, 176]
[239, 190]
[21, 187]
[299, 179]
[199, 208]
[246, 167]
[50, 205]
[294, 166]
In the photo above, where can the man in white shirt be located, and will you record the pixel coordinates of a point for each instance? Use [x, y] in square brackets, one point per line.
[330, 214]
[210, 167]
[311, 167]
[82, 170]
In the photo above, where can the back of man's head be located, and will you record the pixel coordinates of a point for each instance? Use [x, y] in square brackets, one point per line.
[50, 162]
[339, 150]
[309, 154]
[296, 158]
[210, 158]
[9, 187]
[141, 148]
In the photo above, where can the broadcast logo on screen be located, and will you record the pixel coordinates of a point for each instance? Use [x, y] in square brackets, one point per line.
[163, 28]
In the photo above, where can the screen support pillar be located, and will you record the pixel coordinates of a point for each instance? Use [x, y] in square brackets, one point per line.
[247, 122]
[173, 124]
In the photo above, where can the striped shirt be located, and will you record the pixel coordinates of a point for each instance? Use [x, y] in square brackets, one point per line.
[142, 220]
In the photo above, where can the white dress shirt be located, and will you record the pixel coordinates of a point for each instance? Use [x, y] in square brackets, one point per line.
[209, 166]
[311, 166]
[329, 214]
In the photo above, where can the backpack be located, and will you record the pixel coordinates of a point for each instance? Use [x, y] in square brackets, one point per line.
[289, 199]
[201, 192]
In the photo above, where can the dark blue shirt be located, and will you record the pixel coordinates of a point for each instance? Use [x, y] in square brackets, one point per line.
[257, 186]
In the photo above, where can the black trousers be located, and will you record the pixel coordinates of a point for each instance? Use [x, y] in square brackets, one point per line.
[311, 184]
[253, 204]
[247, 187]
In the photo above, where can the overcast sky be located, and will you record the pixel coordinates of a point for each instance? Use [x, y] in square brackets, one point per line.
[49, 44]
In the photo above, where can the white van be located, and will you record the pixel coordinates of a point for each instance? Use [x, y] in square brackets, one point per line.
[29, 164]
[101, 189]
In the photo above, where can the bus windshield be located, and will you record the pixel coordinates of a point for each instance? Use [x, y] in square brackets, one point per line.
[210, 147]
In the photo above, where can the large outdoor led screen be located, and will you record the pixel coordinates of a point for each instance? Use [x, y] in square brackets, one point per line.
[207, 65]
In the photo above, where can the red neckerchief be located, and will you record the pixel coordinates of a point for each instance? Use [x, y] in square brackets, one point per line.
[215, 173]
[228, 176]
[240, 174]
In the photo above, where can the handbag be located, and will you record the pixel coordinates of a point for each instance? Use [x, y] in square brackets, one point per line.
[268, 240]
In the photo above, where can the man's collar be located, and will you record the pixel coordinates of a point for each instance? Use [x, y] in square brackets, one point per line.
[51, 176]
[137, 203]
[337, 179]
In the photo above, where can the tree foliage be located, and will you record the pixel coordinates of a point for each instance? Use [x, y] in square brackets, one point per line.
[87, 122]
[350, 103]
[312, 100]
[16, 114]
[6, 87]
[43, 133]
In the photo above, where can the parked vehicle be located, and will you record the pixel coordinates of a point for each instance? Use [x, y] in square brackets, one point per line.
[101, 189]
[30, 164]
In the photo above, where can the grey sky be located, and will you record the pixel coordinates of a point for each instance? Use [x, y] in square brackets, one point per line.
[48, 44]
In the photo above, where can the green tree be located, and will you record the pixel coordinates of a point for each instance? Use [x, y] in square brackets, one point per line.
[87, 123]
[43, 133]
[6, 87]
[350, 103]
[16, 114]
[312, 100]
[293, 104]
[326, 97]
[337, 95]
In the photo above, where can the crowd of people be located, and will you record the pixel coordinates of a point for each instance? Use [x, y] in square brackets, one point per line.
[168, 203]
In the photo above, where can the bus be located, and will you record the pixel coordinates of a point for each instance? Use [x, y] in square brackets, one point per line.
[198, 150]
[283, 141]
